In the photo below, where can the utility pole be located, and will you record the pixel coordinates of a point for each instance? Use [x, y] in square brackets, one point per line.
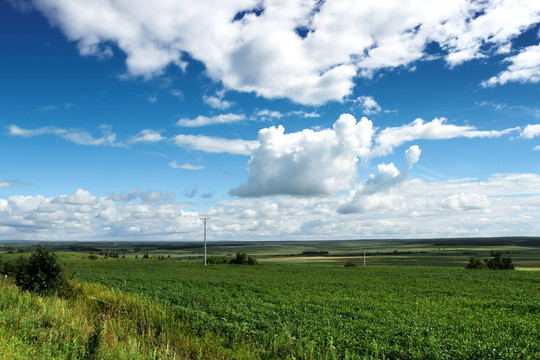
[204, 220]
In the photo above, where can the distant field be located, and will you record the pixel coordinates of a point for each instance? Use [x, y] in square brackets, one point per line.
[525, 252]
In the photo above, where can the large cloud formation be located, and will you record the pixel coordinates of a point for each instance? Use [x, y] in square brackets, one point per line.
[308, 51]
[312, 163]
[505, 204]
[307, 162]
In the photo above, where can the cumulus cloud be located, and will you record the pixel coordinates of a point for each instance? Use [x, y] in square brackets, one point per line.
[366, 196]
[464, 201]
[524, 67]
[531, 131]
[505, 204]
[322, 162]
[308, 51]
[307, 162]
[217, 102]
[204, 120]
[216, 145]
[186, 166]
[76, 136]
[147, 136]
[412, 155]
[368, 105]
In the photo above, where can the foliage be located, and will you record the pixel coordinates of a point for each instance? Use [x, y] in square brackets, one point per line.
[350, 264]
[41, 272]
[217, 260]
[243, 259]
[475, 263]
[497, 262]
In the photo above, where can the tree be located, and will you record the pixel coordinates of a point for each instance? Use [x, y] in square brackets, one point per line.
[41, 272]
[498, 262]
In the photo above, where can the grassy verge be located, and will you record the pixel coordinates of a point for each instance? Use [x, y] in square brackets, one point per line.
[99, 323]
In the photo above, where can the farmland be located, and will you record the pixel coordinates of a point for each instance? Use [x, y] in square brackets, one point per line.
[307, 306]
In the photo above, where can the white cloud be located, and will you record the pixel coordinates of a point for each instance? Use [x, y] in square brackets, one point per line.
[366, 196]
[368, 105]
[437, 129]
[175, 165]
[262, 52]
[504, 204]
[204, 120]
[412, 155]
[307, 162]
[463, 201]
[155, 196]
[217, 101]
[531, 131]
[76, 136]
[147, 136]
[524, 67]
[152, 98]
[216, 145]
[81, 197]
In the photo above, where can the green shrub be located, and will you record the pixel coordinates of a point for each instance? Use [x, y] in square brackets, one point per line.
[350, 264]
[496, 263]
[41, 272]
[475, 263]
[243, 259]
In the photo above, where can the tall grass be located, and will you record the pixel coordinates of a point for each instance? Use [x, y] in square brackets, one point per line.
[97, 322]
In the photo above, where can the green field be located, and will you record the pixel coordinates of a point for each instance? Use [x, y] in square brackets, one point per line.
[300, 307]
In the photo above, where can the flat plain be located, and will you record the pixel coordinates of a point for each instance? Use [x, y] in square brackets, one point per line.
[412, 300]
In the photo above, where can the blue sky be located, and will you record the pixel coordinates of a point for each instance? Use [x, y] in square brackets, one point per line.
[295, 120]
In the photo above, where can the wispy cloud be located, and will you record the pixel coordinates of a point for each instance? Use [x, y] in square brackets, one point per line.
[205, 120]
[368, 105]
[147, 136]
[47, 108]
[217, 102]
[10, 183]
[76, 136]
[215, 144]
[186, 166]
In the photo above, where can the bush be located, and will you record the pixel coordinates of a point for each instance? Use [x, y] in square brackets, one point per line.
[496, 263]
[243, 259]
[475, 263]
[41, 272]
[350, 264]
